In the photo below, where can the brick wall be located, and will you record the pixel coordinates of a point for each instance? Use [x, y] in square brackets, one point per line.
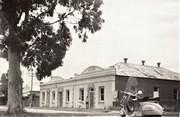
[166, 88]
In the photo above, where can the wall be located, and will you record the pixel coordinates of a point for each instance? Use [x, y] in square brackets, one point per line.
[74, 87]
[42, 102]
[53, 103]
[104, 78]
[165, 92]
[147, 86]
[109, 89]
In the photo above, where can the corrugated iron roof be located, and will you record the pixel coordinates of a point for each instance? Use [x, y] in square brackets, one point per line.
[145, 71]
[54, 79]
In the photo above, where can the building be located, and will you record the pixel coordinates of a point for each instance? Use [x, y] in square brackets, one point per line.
[30, 97]
[31, 89]
[3, 89]
[100, 88]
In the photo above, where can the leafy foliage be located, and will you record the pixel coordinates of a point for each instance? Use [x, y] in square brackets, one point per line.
[26, 27]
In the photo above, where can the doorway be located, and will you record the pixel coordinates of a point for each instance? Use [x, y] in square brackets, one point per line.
[48, 98]
[91, 98]
[60, 99]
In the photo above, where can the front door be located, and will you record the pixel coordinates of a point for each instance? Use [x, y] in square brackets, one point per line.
[60, 99]
[48, 98]
[91, 98]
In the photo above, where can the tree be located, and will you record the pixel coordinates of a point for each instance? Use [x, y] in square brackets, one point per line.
[28, 36]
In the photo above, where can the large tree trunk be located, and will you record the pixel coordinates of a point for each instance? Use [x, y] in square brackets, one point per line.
[15, 104]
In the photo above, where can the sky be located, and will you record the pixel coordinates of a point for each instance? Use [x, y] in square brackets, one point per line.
[134, 29]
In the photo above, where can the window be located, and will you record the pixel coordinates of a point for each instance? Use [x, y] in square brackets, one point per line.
[101, 93]
[133, 89]
[43, 97]
[175, 94]
[67, 95]
[116, 94]
[53, 96]
[156, 92]
[81, 94]
[156, 88]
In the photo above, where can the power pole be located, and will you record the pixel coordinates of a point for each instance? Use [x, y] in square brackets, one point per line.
[31, 95]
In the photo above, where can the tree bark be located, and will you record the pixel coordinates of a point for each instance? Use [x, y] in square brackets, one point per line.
[15, 104]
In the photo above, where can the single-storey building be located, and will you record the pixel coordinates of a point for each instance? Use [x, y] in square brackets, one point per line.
[3, 89]
[100, 88]
[30, 97]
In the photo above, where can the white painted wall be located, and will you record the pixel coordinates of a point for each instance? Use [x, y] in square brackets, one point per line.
[108, 94]
[105, 78]
[43, 102]
[74, 87]
[53, 103]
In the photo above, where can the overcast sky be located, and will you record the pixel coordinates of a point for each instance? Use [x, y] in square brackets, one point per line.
[136, 29]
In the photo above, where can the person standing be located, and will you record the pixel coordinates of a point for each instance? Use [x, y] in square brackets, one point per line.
[87, 102]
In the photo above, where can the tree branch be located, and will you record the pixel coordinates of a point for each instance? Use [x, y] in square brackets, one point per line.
[53, 22]
[43, 13]
[65, 16]
[20, 16]
[70, 13]
[71, 22]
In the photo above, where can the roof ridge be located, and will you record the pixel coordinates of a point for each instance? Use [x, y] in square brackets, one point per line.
[145, 65]
[146, 71]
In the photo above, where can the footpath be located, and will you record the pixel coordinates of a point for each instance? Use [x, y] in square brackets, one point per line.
[76, 112]
[67, 111]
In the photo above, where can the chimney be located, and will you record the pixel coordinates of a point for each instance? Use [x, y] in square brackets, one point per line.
[143, 62]
[125, 60]
[158, 64]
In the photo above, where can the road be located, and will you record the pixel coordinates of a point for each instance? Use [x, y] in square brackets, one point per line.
[43, 112]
